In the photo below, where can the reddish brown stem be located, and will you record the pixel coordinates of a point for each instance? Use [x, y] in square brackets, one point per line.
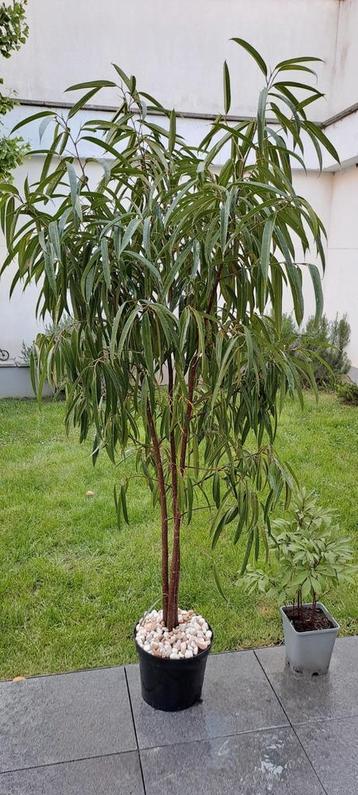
[175, 562]
[163, 512]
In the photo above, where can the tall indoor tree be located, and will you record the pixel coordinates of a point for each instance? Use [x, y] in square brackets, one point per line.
[172, 271]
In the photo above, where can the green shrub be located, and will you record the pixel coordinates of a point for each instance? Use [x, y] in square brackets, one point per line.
[326, 342]
[348, 393]
[312, 555]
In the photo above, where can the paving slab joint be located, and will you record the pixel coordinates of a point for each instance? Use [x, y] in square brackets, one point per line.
[135, 730]
[291, 724]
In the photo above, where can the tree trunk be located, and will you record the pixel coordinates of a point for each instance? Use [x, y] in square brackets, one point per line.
[175, 562]
[163, 513]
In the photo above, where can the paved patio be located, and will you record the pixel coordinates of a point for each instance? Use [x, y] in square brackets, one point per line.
[258, 730]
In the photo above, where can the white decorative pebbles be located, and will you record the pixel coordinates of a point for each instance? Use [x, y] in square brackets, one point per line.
[191, 636]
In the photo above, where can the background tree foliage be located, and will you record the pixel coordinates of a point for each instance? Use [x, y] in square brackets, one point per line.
[327, 342]
[173, 273]
[13, 34]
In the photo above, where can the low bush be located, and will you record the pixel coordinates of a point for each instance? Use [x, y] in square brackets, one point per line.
[326, 342]
[312, 554]
[348, 393]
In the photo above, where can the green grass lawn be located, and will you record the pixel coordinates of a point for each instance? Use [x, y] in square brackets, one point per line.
[72, 585]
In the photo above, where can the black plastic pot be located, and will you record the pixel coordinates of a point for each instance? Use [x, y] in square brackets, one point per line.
[171, 685]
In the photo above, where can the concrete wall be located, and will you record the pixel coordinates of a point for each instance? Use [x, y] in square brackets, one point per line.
[344, 84]
[175, 49]
[18, 322]
[341, 279]
[15, 382]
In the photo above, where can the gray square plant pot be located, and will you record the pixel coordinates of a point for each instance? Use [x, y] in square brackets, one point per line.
[309, 652]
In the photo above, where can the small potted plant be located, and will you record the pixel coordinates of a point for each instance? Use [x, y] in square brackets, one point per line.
[172, 274]
[312, 557]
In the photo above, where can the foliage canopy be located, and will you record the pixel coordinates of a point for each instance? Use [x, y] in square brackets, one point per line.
[173, 271]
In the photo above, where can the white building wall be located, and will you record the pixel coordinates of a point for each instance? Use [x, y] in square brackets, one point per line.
[176, 50]
[343, 92]
[341, 279]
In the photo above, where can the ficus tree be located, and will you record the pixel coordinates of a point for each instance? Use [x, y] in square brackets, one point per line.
[172, 272]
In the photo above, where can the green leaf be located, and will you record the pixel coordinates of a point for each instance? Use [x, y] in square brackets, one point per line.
[317, 286]
[261, 117]
[43, 126]
[144, 261]
[266, 248]
[117, 504]
[105, 262]
[317, 132]
[81, 102]
[302, 59]
[227, 88]
[250, 347]
[216, 489]
[218, 583]
[247, 551]
[55, 239]
[172, 131]
[74, 189]
[255, 55]
[126, 330]
[190, 496]
[224, 221]
[295, 67]
[146, 333]
[103, 144]
[294, 278]
[201, 330]
[241, 523]
[223, 369]
[92, 84]
[34, 117]
[124, 503]
[131, 229]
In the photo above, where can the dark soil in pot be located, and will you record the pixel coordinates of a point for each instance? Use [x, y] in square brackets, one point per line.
[308, 618]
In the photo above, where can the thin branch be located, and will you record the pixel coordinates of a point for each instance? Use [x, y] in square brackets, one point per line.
[175, 562]
[163, 510]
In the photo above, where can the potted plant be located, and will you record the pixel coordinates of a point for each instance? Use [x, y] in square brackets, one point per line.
[171, 266]
[312, 557]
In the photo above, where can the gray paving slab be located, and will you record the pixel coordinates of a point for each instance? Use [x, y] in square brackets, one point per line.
[334, 695]
[236, 697]
[111, 775]
[62, 718]
[256, 763]
[332, 747]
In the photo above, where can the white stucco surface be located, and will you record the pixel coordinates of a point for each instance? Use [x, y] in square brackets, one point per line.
[341, 279]
[343, 91]
[176, 50]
